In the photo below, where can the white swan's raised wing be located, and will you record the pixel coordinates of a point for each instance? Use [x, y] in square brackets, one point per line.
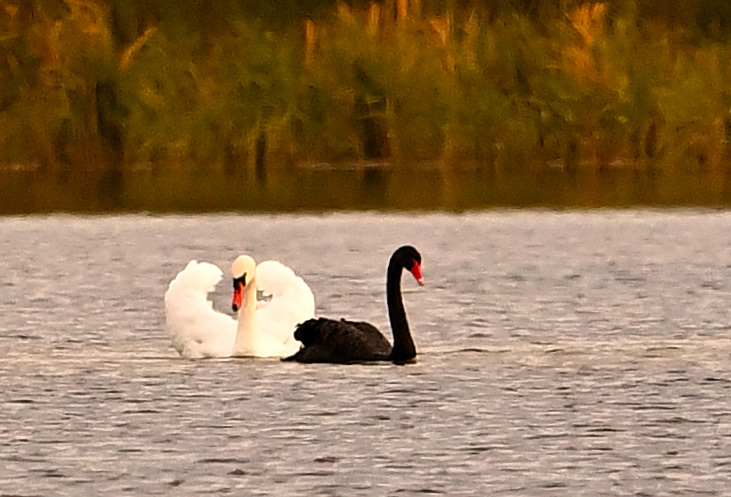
[291, 303]
[195, 328]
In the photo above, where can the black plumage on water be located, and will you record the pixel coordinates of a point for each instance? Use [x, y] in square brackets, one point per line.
[342, 341]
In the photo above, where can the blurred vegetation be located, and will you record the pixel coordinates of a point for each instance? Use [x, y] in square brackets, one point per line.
[251, 90]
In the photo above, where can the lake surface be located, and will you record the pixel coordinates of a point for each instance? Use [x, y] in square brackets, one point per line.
[561, 353]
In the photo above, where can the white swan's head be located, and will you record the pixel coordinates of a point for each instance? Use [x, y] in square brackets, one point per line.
[243, 270]
[243, 265]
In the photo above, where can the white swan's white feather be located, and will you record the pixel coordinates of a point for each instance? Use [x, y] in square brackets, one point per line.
[291, 303]
[197, 330]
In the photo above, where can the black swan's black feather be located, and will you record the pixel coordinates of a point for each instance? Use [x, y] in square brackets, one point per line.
[329, 340]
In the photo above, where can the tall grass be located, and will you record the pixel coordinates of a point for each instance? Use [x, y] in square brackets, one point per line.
[586, 85]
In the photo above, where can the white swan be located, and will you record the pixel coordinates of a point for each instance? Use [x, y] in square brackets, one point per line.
[263, 329]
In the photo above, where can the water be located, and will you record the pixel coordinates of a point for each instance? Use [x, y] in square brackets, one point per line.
[561, 353]
[326, 187]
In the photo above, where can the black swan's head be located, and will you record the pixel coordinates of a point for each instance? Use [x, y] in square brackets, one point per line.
[409, 258]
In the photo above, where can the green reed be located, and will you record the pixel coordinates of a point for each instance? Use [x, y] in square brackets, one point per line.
[227, 90]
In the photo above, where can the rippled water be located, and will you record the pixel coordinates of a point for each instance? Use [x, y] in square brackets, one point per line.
[577, 353]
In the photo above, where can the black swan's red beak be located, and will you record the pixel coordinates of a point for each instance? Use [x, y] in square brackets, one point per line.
[416, 271]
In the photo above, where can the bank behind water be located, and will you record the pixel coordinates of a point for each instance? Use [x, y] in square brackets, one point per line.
[362, 186]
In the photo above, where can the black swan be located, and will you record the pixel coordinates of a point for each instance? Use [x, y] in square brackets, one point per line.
[329, 340]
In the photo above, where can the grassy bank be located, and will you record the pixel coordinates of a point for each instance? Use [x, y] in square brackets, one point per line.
[241, 90]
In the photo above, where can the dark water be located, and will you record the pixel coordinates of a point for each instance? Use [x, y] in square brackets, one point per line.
[561, 354]
[369, 186]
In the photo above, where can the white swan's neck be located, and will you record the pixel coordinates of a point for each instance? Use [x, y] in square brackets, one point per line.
[246, 336]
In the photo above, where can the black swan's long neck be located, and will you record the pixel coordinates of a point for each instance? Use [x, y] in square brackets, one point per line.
[403, 344]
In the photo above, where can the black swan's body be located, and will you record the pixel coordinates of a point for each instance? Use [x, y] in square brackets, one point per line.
[329, 340]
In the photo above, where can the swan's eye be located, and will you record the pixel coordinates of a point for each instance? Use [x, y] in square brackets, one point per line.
[240, 281]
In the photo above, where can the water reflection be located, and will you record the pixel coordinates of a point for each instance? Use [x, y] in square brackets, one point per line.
[366, 186]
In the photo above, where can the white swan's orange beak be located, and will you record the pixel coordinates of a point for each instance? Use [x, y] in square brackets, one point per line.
[238, 295]
[416, 271]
